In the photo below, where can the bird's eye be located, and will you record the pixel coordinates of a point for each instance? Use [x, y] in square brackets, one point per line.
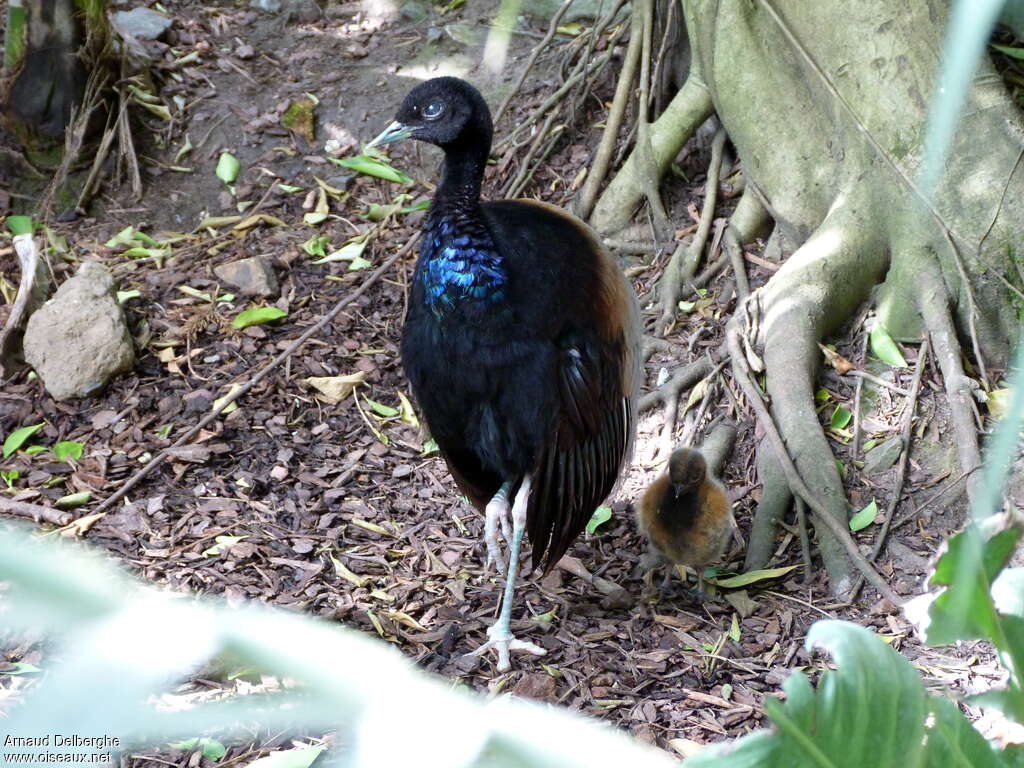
[432, 111]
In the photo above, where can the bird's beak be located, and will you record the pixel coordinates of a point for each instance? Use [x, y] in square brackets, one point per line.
[394, 132]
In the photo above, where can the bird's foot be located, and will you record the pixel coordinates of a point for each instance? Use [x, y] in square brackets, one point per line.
[504, 642]
[496, 515]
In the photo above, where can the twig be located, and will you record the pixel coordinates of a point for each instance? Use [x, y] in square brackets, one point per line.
[805, 542]
[859, 374]
[905, 433]
[671, 280]
[153, 463]
[683, 377]
[901, 471]
[555, 21]
[856, 402]
[35, 512]
[746, 382]
[732, 246]
[602, 158]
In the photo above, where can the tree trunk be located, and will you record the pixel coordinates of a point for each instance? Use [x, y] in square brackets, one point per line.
[49, 48]
[826, 102]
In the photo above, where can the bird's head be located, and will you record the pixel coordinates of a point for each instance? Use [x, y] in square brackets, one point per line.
[686, 469]
[445, 111]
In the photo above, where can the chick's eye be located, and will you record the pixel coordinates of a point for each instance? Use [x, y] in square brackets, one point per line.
[432, 111]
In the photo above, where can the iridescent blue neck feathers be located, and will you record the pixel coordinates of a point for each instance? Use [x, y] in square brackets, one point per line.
[459, 266]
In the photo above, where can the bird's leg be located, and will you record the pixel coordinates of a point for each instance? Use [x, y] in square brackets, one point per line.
[500, 634]
[495, 513]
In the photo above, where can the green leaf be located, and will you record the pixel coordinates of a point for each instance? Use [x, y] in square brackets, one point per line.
[885, 349]
[372, 167]
[288, 189]
[687, 306]
[840, 418]
[300, 757]
[123, 296]
[228, 168]
[222, 543]
[32, 450]
[68, 449]
[317, 245]
[18, 437]
[380, 409]
[351, 251]
[73, 500]
[408, 415]
[22, 668]
[19, 225]
[822, 396]
[9, 476]
[999, 401]
[865, 517]
[257, 316]
[750, 577]
[601, 516]
[213, 749]
[968, 567]
[870, 710]
[1013, 53]
[430, 448]
[953, 741]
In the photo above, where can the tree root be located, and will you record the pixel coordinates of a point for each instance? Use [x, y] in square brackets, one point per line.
[646, 166]
[689, 108]
[775, 499]
[552, 28]
[684, 377]
[602, 158]
[933, 304]
[686, 258]
[814, 291]
[822, 513]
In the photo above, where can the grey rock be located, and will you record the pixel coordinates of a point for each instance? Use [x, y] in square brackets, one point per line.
[883, 456]
[252, 276]
[79, 340]
[269, 6]
[414, 12]
[141, 23]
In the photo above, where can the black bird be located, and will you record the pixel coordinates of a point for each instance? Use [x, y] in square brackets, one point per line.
[521, 345]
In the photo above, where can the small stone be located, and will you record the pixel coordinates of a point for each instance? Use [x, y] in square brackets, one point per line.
[245, 51]
[306, 11]
[141, 23]
[883, 456]
[402, 470]
[267, 6]
[539, 686]
[252, 276]
[79, 340]
[198, 400]
[279, 473]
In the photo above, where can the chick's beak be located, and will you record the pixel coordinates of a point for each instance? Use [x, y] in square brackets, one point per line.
[394, 132]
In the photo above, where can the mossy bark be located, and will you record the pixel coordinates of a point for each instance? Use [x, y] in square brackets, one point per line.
[826, 102]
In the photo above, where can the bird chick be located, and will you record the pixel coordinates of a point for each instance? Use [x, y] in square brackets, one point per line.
[685, 514]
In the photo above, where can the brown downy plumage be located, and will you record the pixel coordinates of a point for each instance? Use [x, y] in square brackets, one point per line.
[685, 513]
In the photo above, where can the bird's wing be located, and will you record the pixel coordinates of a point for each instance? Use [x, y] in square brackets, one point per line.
[577, 469]
[583, 306]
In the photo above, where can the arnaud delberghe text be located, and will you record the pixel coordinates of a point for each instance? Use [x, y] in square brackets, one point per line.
[60, 740]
